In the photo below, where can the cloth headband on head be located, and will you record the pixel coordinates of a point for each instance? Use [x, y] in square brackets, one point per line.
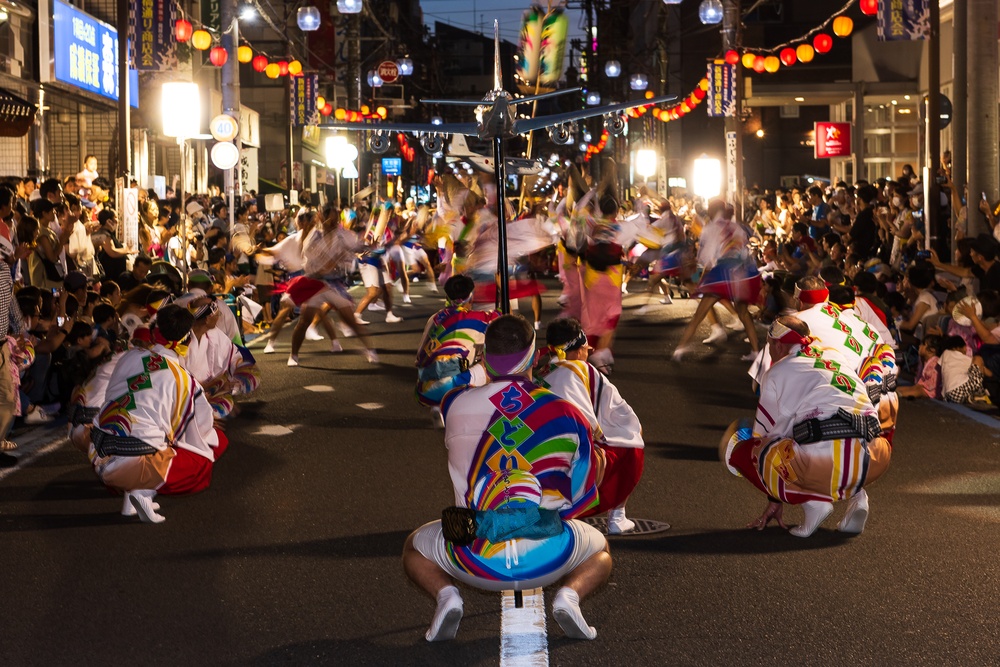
[811, 296]
[574, 344]
[515, 363]
[783, 334]
[204, 311]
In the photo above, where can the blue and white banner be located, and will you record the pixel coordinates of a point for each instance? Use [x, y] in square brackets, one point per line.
[721, 89]
[85, 53]
[303, 99]
[903, 20]
[154, 47]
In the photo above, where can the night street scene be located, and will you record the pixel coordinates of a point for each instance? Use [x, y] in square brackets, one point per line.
[482, 332]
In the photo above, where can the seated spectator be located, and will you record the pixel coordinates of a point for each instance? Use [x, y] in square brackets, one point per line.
[137, 276]
[928, 382]
[111, 292]
[920, 277]
[106, 324]
[962, 376]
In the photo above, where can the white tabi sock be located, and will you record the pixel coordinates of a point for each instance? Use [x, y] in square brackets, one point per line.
[816, 512]
[857, 514]
[566, 611]
[128, 510]
[447, 616]
[142, 501]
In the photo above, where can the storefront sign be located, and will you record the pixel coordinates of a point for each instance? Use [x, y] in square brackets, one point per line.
[903, 20]
[303, 99]
[85, 54]
[721, 89]
[211, 14]
[154, 47]
[392, 166]
[833, 140]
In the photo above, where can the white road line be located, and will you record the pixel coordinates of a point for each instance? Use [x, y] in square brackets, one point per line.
[273, 430]
[319, 388]
[523, 640]
[370, 406]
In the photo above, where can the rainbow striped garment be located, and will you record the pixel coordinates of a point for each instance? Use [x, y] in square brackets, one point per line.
[537, 449]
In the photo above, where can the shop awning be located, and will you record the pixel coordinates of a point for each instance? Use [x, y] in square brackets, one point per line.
[16, 114]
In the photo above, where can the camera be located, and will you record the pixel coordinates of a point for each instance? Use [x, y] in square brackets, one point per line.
[923, 254]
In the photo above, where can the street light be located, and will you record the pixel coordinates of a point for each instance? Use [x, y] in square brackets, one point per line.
[645, 162]
[405, 66]
[710, 12]
[638, 82]
[340, 155]
[593, 98]
[307, 19]
[349, 6]
[707, 177]
[612, 69]
[180, 104]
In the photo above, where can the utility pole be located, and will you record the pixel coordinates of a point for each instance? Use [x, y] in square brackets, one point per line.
[231, 93]
[732, 39]
[960, 106]
[124, 129]
[982, 110]
[932, 158]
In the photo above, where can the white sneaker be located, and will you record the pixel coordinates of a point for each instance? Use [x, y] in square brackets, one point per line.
[269, 348]
[434, 288]
[129, 510]
[398, 284]
[857, 514]
[717, 337]
[406, 298]
[816, 512]
[36, 416]
[142, 501]
[335, 346]
[618, 523]
[313, 334]
[679, 353]
[666, 300]
[643, 311]
[538, 325]
[375, 306]
[345, 330]
[293, 360]
[359, 320]
[566, 611]
[371, 356]
[447, 616]
[437, 417]
[392, 319]
[749, 356]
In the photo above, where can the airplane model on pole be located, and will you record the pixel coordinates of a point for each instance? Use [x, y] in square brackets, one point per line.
[495, 122]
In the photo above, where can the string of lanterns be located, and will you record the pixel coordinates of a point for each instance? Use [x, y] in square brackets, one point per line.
[203, 40]
[804, 48]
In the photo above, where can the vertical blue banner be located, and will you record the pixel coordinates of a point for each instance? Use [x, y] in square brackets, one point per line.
[903, 20]
[721, 89]
[303, 99]
[154, 47]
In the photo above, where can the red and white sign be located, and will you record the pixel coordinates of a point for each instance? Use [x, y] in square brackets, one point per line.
[388, 71]
[833, 140]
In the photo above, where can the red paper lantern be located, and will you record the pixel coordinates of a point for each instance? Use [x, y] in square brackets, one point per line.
[183, 30]
[283, 67]
[732, 57]
[868, 7]
[259, 63]
[218, 56]
[699, 93]
[822, 43]
[327, 109]
[787, 56]
[758, 64]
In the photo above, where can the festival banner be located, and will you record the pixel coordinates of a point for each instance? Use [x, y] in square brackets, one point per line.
[153, 45]
[721, 89]
[833, 140]
[303, 99]
[903, 20]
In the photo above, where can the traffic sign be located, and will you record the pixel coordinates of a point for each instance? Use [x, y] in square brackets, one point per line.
[224, 127]
[225, 155]
[388, 71]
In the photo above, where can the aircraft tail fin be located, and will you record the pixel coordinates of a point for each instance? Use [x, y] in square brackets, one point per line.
[459, 147]
[497, 74]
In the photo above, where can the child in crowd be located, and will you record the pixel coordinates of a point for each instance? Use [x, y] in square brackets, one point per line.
[928, 382]
[962, 376]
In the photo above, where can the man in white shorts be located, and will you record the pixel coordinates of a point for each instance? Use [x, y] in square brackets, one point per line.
[524, 460]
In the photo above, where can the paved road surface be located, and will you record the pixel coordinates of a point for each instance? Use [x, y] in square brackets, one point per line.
[292, 557]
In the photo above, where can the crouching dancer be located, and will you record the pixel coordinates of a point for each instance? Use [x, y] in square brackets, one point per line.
[525, 461]
[155, 433]
[815, 439]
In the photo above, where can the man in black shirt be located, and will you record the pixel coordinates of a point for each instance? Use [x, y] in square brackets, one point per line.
[986, 267]
[137, 276]
[864, 231]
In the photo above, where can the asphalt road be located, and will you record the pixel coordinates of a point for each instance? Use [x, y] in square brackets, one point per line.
[292, 557]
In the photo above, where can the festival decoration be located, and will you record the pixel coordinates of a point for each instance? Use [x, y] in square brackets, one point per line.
[183, 30]
[787, 56]
[259, 63]
[201, 40]
[842, 26]
[541, 49]
[294, 68]
[244, 54]
[272, 71]
[218, 56]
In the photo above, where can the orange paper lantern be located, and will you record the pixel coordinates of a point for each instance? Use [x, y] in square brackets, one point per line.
[340, 114]
[772, 64]
[842, 26]
[822, 42]
[748, 60]
[244, 54]
[272, 71]
[805, 53]
[201, 40]
[732, 57]
[320, 101]
[259, 63]
[703, 84]
[295, 68]
[758, 63]
[326, 109]
[787, 56]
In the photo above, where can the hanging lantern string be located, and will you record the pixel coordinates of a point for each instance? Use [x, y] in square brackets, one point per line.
[803, 38]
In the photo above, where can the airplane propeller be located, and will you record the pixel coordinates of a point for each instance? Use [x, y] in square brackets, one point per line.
[616, 124]
[562, 134]
[378, 143]
[432, 143]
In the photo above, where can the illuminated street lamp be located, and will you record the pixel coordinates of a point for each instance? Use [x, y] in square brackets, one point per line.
[638, 82]
[612, 69]
[707, 177]
[341, 155]
[710, 12]
[180, 104]
[349, 6]
[645, 162]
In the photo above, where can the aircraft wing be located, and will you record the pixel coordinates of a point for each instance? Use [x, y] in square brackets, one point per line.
[470, 129]
[530, 124]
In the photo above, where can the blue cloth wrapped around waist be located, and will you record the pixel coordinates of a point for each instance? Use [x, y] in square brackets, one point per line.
[524, 521]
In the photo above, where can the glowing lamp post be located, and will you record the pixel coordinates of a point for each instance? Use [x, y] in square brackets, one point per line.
[180, 105]
[645, 163]
[707, 177]
[340, 155]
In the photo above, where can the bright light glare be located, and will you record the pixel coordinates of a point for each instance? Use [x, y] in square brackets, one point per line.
[707, 177]
[248, 13]
[645, 162]
[180, 102]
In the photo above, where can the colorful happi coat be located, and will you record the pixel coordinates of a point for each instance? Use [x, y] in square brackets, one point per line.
[799, 387]
[151, 397]
[512, 443]
[450, 348]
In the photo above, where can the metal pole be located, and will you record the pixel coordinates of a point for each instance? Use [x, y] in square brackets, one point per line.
[731, 39]
[960, 105]
[124, 165]
[932, 157]
[858, 112]
[182, 143]
[231, 93]
[503, 286]
[982, 110]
